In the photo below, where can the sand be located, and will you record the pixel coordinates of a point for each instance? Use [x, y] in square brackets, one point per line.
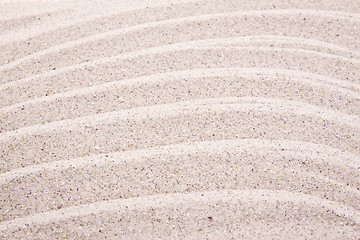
[180, 119]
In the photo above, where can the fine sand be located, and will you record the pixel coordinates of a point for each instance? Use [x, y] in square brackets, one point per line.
[185, 119]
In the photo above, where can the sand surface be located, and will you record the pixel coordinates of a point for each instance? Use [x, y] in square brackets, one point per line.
[213, 119]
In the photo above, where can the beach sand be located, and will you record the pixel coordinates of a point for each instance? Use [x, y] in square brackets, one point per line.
[180, 119]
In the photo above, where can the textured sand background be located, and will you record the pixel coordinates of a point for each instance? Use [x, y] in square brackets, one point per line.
[180, 119]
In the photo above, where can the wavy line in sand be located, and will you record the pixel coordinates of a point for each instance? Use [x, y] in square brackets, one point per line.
[229, 166]
[213, 42]
[167, 110]
[341, 69]
[130, 91]
[332, 14]
[347, 88]
[163, 200]
[177, 8]
[338, 157]
[173, 118]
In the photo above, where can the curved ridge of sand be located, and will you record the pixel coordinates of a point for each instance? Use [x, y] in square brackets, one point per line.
[180, 119]
[149, 90]
[163, 59]
[221, 24]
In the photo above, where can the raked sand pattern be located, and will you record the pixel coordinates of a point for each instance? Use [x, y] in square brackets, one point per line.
[180, 119]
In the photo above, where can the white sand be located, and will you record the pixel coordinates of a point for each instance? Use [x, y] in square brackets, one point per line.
[180, 119]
